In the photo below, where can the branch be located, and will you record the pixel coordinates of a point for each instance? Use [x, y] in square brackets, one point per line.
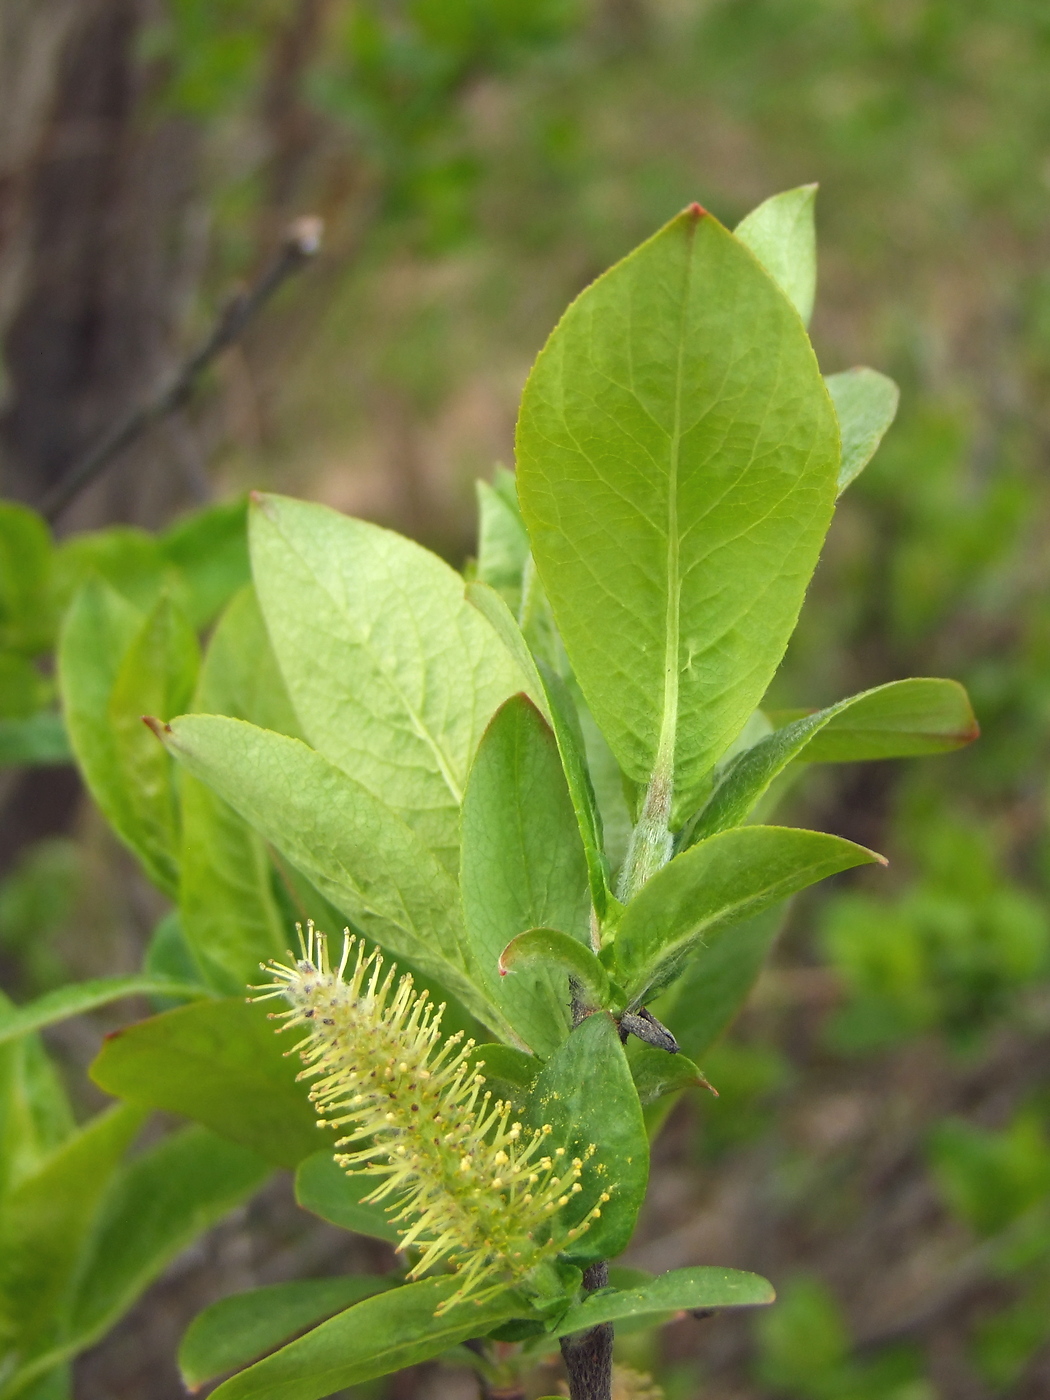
[300, 244]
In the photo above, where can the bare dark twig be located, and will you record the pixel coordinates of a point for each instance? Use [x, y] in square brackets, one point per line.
[300, 244]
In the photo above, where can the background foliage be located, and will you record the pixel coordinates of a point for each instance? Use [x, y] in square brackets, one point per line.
[880, 1148]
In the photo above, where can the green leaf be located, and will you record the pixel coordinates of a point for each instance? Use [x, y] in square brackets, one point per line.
[503, 545]
[79, 997]
[551, 697]
[383, 1334]
[866, 403]
[229, 912]
[35, 1115]
[169, 956]
[158, 1204]
[499, 616]
[681, 1290]
[522, 868]
[905, 719]
[547, 948]
[358, 853]
[221, 1064]
[586, 1094]
[210, 549]
[323, 1188]
[718, 883]
[38, 741]
[677, 461]
[393, 675]
[44, 1223]
[114, 668]
[656, 1073]
[901, 719]
[509, 1074]
[27, 619]
[126, 558]
[236, 1330]
[717, 981]
[782, 236]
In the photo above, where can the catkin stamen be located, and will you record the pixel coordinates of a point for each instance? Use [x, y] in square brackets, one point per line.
[464, 1179]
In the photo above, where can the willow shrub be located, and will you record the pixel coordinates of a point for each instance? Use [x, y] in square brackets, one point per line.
[539, 790]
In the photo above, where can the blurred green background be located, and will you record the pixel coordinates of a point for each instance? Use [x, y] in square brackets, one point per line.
[881, 1145]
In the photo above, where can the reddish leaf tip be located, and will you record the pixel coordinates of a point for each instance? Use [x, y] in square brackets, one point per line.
[158, 726]
[697, 210]
[111, 1035]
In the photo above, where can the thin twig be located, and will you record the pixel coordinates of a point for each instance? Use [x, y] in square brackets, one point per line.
[300, 244]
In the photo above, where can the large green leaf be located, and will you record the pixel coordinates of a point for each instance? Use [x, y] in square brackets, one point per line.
[866, 403]
[383, 1334]
[221, 1064]
[234, 1331]
[393, 675]
[586, 1094]
[359, 854]
[720, 882]
[901, 719]
[522, 867]
[682, 1290]
[44, 1223]
[782, 236]
[677, 464]
[323, 1187]
[79, 997]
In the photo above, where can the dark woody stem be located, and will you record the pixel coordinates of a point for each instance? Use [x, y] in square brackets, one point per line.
[588, 1355]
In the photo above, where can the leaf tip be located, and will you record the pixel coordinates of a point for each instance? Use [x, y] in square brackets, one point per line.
[697, 211]
[157, 725]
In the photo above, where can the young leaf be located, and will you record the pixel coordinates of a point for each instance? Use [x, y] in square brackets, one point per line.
[866, 403]
[220, 1063]
[79, 997]
[782, 236]
[905, 719]
[359, 854]
[656, 1073]
[522, 868]
[547, 948]
[44, 1222]
[901, 719]
[158, 1203]
[494, 609]
[586, 1094]
[503, 545]
[236, 1330]
[677, 464]
[386, 1333]
[324, 1189]
[681, 1290]
[725, 879]
[393, 675]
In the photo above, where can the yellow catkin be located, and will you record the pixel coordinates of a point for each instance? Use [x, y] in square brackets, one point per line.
[464, 1180]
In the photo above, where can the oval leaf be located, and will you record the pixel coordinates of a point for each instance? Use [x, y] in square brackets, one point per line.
[383, 1334]
[234, 1331]
[677, 464]
[323, 1188]
[866, 404]
[722, 881]
[681, 1290]
[782, 236]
